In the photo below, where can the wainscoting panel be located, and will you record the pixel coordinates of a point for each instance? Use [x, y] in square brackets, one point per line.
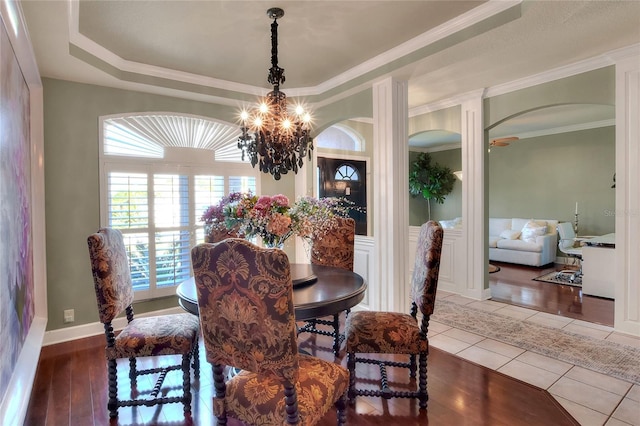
[363, 265]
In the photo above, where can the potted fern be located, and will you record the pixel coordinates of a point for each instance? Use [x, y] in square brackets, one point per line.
[430, 180]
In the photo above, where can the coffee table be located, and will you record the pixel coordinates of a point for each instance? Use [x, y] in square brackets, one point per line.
[318, 291]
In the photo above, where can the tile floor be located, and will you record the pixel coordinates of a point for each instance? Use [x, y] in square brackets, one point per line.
[591, 398]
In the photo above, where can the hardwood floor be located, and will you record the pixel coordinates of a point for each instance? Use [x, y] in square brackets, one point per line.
[514, 284]
[70, 387]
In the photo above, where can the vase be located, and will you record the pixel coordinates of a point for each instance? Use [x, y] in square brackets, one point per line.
[271, 241]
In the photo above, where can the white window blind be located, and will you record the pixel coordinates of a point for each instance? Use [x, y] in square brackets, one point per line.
[157, 200]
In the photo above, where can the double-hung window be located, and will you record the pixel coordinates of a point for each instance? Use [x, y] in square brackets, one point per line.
[155, 195]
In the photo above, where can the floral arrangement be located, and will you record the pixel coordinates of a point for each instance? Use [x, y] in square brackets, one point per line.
[273, 218]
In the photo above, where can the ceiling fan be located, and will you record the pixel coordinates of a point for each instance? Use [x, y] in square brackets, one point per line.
[503, 141]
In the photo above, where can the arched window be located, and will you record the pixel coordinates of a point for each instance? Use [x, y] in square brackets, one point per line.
[347, 172]
[159, 172]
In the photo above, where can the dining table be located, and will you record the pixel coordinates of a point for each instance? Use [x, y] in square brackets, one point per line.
[318, 291]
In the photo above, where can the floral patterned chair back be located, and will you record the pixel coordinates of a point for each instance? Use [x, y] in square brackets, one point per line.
[424, 281]
[111, 272]
[333, 248]
[217, 235]
[245, 302]
[175, 334]
[244, 295]
[336, 247]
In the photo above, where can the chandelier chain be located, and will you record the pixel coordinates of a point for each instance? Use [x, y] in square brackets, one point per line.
[272, 137]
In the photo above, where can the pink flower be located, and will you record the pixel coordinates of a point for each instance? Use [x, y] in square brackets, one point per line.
[280, 200]
[263, 205]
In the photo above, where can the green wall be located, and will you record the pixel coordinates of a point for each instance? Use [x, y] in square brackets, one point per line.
[541, 177]
[71, 113]
[544, 177]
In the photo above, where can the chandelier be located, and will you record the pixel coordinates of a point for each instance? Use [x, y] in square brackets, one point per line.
[272, 136]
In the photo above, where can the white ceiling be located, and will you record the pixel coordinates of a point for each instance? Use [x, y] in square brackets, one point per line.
[218, 51]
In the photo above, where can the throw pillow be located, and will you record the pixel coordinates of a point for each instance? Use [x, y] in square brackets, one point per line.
[510, 234]
[532, 229]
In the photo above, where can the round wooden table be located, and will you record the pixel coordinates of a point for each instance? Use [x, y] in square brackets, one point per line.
[318, 291]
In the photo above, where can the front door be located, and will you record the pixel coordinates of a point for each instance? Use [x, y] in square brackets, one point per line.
[345, 178]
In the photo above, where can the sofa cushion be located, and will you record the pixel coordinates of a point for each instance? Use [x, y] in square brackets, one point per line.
[497, 225]
[518, 245]
[532, 229]
[510, 234]
[451, 224]
[493, 241]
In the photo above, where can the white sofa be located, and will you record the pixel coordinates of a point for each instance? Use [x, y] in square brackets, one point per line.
[508, 244]
[510, 241]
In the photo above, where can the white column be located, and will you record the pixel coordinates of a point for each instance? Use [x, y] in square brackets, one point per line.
[627, 270]
[388, 287]
[474, 209]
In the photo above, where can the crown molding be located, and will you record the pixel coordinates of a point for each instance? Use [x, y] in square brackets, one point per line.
[580, 67]
[109, 59]
[566, 129]
[447, 103]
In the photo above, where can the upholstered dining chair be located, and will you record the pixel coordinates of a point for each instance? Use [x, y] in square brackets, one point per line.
[245, 301]
[217, 235]
[371, 332]
[335, 248]
[175, 334]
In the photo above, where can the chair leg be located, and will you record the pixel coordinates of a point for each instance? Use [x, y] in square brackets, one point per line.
[351, 366]
[341, 406]
[336, 334]
[112, 405]
[412, 366]
[221, 389]
[423, 396]
[291, 405]
[186, 382]
[133, 373]
[196, 359]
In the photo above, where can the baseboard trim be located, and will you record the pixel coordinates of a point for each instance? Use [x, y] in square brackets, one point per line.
[92, 329]
[13, 408]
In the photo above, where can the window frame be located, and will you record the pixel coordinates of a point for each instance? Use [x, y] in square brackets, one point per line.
[190, 166]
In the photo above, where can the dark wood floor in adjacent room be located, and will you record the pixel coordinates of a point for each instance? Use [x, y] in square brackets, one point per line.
[70, 387]
[514, 284]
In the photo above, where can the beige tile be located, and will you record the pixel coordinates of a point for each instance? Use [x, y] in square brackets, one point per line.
[484, 357]
[589, 396]
[586, 331]
[624, 339]
[544, 362]
[436, 327]
[516, 312]
[584, 415]
[448, 344]
[461, 300]
[500, 348]
[616, 422]
[634, 393]
[529, 373]
[465, 336]
[441, 294]
[628, 411]
[593, 325]
[486, 305]
[549, 320]
[599, 380]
